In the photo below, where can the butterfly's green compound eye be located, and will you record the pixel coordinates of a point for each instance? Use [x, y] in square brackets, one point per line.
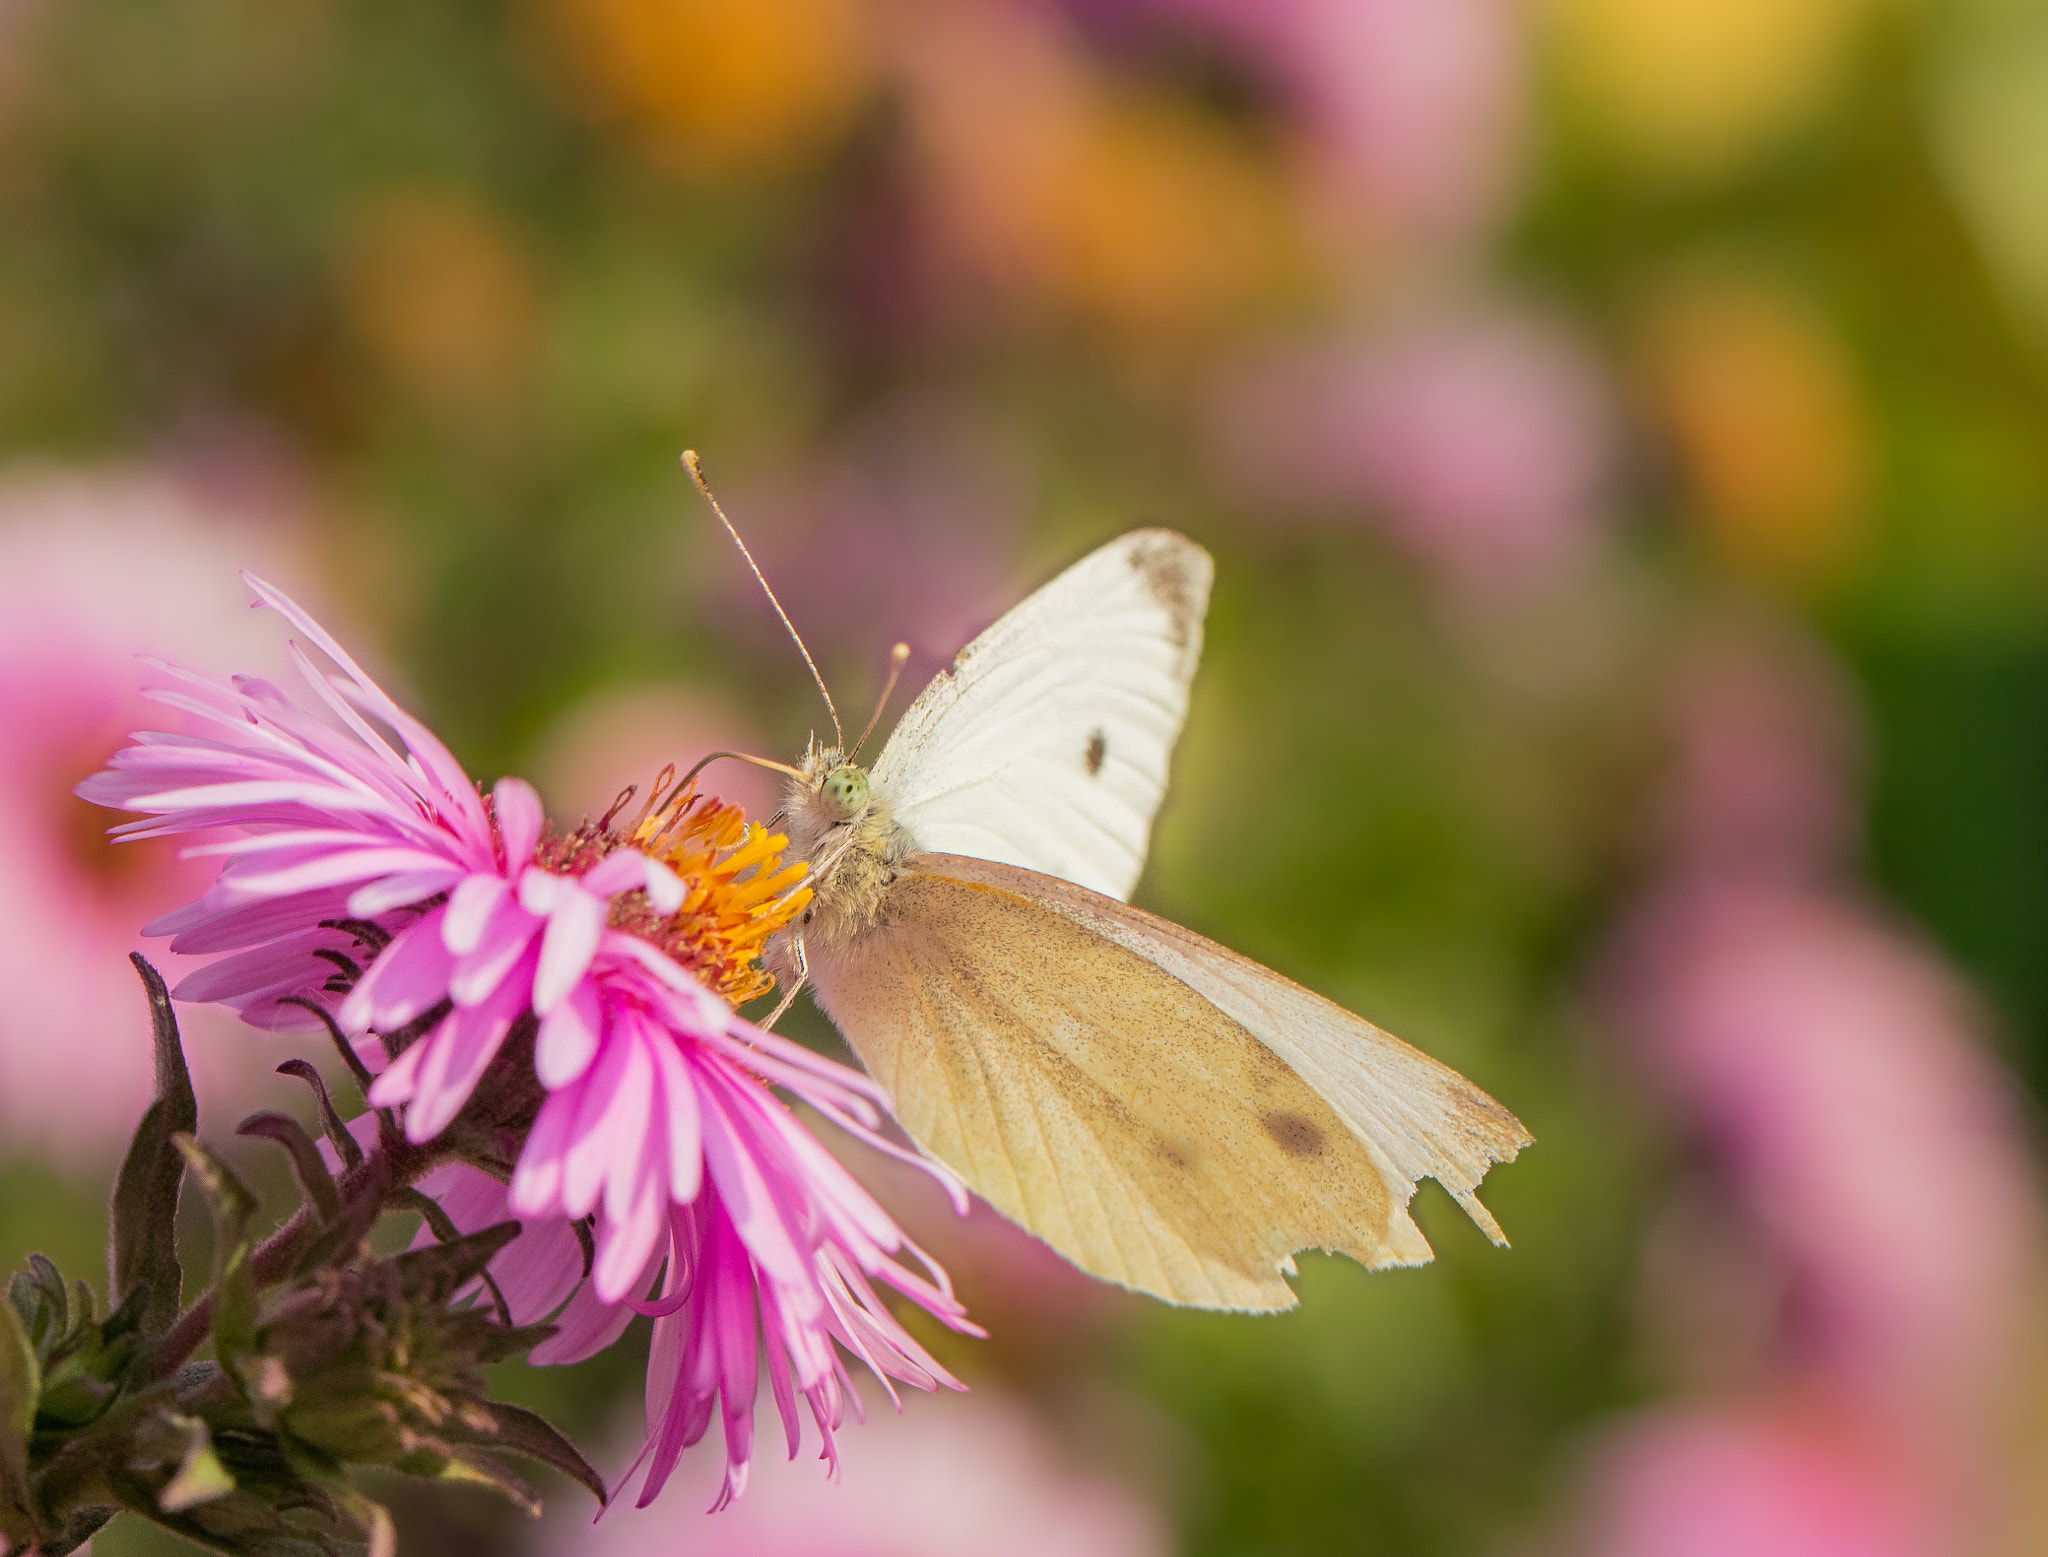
[845, 792]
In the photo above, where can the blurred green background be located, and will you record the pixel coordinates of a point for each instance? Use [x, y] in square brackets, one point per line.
[1621, 427]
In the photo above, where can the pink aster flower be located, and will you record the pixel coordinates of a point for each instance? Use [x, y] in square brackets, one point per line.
[348, 846]
[776, 1263]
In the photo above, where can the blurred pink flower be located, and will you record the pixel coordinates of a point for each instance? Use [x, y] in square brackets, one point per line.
[977, 1478]
[1413, 106]
[1412, 111]
[1481, 442]
[1765, 758]
[1836, 1073]
[1716, 1483]
[95, 569]
[474, 918]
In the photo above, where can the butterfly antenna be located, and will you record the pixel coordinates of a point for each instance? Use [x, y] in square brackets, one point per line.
[739, 756]
[897, 656]
[697, 478]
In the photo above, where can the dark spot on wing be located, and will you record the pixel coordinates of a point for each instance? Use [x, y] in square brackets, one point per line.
[1293, 1134]
[1163, 564]
[1098, 748]
[1172, 1156]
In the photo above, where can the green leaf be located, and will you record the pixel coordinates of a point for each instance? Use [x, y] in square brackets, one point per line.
[144, 1243]
[20, 1385]
[435, 1273]
[79, 1526]
[39, 1294]
[521, 1431]
[345, 1145]
[479, 1470]
[234, 1276]
[445, 1230]
[312, 1172]
[200, 1477]
[222, 1486]
[338, 1242]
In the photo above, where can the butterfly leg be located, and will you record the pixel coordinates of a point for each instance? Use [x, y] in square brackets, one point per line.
[803, 971]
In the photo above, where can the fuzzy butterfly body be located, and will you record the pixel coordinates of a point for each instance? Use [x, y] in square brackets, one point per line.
[1166, 1114]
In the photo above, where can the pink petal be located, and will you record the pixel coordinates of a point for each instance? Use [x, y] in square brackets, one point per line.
[395, 1086]
[629, 869]
[607, 1104]
[586, 1327]
[400, 892]
[282, 962]
[485, 970]
[335, 867]
[410, 977]
[471, 906]
[520, 819]
[568, 1038]
[209, 926]
[464, 1046]
[741, 1180]
[618, 872]
[679, 1111]
[574, 928]
[628, 1242]
[541, 890]
[419, 740]
[537, 1180]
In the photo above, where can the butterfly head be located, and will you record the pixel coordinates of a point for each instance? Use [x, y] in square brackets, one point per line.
[843, 830]
[843, 791]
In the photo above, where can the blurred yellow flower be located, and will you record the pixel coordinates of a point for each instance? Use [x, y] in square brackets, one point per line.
[1137, 211]
[1696, 85]
[438, 291]
[717, 88]
[1762, 407]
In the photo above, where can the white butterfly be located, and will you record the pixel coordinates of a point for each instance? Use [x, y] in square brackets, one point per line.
[1165, 1113]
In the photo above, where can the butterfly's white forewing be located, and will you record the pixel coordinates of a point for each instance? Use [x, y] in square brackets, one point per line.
[1048, 742]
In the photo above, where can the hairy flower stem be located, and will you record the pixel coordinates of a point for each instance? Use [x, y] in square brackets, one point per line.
[376, 1185]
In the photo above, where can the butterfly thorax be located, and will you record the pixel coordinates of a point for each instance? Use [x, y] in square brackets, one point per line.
[855, 848]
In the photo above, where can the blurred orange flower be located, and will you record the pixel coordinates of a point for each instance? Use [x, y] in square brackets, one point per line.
[1761, 403]
[1134, 210]
[438, 291]
[719, 88]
